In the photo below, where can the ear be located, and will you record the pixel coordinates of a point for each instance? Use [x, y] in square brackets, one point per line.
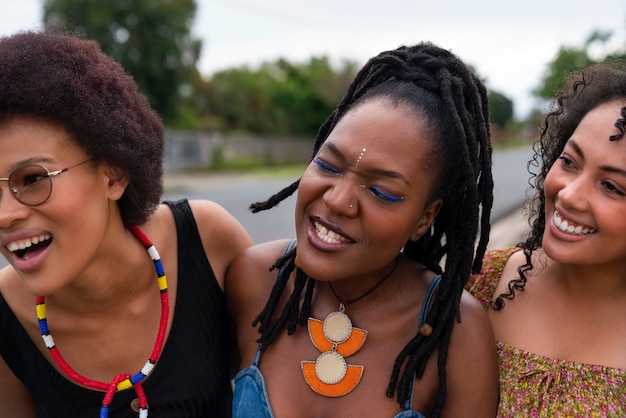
[116, 181]
[426, 220]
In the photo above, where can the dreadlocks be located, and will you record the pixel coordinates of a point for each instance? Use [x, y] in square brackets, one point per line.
[453, 103]
[581, 92]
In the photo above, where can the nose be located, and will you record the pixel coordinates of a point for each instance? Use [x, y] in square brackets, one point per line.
[11, 210]
[341, 197]
[574, 193]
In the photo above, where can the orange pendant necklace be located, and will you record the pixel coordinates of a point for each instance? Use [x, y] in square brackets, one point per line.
[336, 338]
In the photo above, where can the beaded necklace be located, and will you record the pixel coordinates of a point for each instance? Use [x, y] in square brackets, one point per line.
[122, 381]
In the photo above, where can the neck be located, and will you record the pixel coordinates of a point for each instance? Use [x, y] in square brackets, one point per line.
[361, 293]
[588, 282]
[109, 282]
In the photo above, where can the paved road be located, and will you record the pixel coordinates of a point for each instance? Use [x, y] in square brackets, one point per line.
[236, 192]
[511, 177]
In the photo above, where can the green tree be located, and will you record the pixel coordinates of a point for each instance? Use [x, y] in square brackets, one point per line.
[278, 98]
[241, 99]
[304, 94]
[501, 108]
[150, 38]
[567, 60]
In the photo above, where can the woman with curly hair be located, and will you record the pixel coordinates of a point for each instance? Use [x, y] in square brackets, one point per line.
[557, 302]
[360, 319]
[90, 323]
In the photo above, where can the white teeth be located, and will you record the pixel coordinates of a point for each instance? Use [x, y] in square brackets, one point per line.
[565, 226]
[26, 243]
[327, 235]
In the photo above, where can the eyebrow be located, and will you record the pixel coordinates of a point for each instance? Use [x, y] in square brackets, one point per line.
[37, 159]
[608, 168]
[374, 171]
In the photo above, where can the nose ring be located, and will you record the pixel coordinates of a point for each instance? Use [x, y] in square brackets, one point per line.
[351, 205]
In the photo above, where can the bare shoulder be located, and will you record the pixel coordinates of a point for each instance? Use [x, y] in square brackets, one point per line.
[474, 329]
[472, 367]
[251, 276]
[222, 236]
[248, 285]
[509, 272]
[217, 227]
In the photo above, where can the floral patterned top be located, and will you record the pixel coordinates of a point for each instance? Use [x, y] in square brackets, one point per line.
[535, 386]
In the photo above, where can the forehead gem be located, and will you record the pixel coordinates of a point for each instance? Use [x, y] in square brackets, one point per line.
[358, 160]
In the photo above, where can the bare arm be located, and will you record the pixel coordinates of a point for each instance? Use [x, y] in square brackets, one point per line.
[472, 367]
[16, 401]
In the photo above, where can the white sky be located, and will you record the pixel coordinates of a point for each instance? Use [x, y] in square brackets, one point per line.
[508, 42]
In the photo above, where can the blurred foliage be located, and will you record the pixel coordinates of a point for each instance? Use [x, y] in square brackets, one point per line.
[150, 38]
[279, 98]
[285, 99]
[501, 109]
[574, 58]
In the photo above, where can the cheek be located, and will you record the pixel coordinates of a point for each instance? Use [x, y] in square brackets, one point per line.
[389, 229]
[610, 218]
[83, 201]
[310, 187]
[304, 195]
[552, 184]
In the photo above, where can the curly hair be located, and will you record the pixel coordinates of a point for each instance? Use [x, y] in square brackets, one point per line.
[443, 91]
[69, 81]
[581, 92]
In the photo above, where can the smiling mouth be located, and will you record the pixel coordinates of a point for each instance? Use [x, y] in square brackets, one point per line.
[570, 228]
[329, 236]
[23, 247]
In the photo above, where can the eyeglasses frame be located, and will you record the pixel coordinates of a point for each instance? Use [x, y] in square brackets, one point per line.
[49, 175]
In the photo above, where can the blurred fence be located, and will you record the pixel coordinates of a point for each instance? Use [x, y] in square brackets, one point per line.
[185, 150]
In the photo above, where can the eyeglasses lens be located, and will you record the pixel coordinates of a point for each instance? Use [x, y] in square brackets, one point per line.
[31, 185]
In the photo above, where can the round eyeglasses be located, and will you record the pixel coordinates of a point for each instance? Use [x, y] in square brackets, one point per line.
[31, 185]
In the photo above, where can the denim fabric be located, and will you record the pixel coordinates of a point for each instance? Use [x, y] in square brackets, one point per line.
[250, 399]
[409, 413]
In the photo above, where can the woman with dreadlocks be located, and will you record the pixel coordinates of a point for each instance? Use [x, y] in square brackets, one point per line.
[558, 301]
[361, 319]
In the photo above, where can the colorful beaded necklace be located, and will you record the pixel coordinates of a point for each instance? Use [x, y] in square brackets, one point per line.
[122, 381]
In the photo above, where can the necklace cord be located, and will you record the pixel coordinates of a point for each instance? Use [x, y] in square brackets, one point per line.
[376, 286]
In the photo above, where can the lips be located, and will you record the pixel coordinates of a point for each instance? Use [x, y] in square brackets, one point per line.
[21, 248]
[329, 236]
[569, 226]
[326, 236]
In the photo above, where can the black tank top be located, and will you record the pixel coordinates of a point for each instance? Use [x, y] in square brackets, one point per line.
[191, 379]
